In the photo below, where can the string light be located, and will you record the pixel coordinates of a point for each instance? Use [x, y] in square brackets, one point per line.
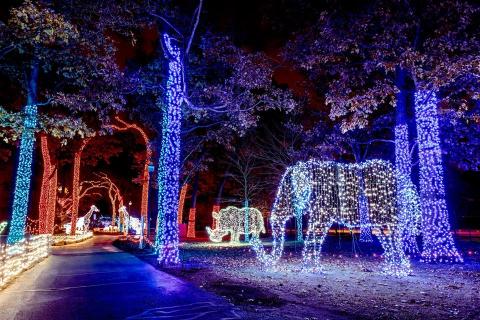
[232, 219]
[52, 200]
[169, 161]
[438, 242]
[148, 156]
[76, 184]
[58, 240]
[23, 177]
[82, 222]
[23, 254]
[191, 223]
[181, 204]
[408, 202]
[333, 190]
[3, 226]
[215, 208]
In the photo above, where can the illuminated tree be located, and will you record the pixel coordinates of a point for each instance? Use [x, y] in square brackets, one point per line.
[48, 191]
[381, 55]
[169, 160]
[145, 176]
[69, 70]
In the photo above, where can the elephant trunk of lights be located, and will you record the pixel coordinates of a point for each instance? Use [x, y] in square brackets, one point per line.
[328, 192]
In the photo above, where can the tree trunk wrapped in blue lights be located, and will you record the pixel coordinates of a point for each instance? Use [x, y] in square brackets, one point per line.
[169, 160]
[24, 169]
[438, 242]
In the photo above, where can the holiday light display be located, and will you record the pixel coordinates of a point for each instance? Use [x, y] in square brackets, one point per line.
[76, 184]
[334, 190]
[23, 177]
[148, 155]
[82, 222]
[48, 191]
[191, 223]
[438, 242]
[3, 226]
[408, 202]
[169, 161]
[135, 224]
[231, 220]
[181, 203]
[52, 200]
[365, 231]
[216, 208]
[18, 257]
[64, 239]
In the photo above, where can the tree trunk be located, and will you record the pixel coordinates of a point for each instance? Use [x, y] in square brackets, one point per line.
[24, 168]
[52, 199]
[169, 162]
[438, 242]
[193, 209]
[76, 185]
[181, 202]
[43, 208]
[407, 196]
[145, 184]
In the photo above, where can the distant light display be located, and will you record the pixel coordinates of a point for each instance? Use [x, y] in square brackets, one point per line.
[334, 193]
[438, 242]
[231, 220]
[169, 161]
[23, 177]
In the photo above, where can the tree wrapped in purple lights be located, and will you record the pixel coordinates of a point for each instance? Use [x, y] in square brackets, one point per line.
[169, 163]
[438, 242]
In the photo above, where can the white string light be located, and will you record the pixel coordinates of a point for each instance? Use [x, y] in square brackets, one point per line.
[232, 220]
[18, 257]
[333, 190]
[438, 242]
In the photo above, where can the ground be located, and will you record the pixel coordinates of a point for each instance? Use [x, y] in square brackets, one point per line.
[94, 280]
[351, 285]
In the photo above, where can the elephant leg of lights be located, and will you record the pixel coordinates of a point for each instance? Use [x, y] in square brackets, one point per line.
[312, 249]
[396, 261]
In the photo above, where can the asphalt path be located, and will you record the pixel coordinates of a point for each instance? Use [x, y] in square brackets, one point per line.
[95, 280]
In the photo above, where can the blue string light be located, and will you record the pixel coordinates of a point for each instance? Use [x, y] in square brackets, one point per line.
[23, 177]
[438, 242]
[169, 161]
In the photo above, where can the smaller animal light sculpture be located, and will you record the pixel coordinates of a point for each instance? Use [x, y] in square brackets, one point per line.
[232, 219]
[82, 222]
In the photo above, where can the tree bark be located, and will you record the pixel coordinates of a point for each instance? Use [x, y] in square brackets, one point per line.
[193, 209]
[24, 168]
[169, 162]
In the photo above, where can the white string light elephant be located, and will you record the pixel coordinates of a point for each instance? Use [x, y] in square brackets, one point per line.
[232, 220]
[328, 192]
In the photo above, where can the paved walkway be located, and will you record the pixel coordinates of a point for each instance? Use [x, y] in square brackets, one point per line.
[95, 280]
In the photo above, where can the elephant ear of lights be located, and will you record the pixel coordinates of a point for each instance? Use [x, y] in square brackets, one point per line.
[333, 191]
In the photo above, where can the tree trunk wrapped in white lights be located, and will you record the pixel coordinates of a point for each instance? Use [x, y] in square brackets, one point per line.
[438, 243]
[333, 190]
